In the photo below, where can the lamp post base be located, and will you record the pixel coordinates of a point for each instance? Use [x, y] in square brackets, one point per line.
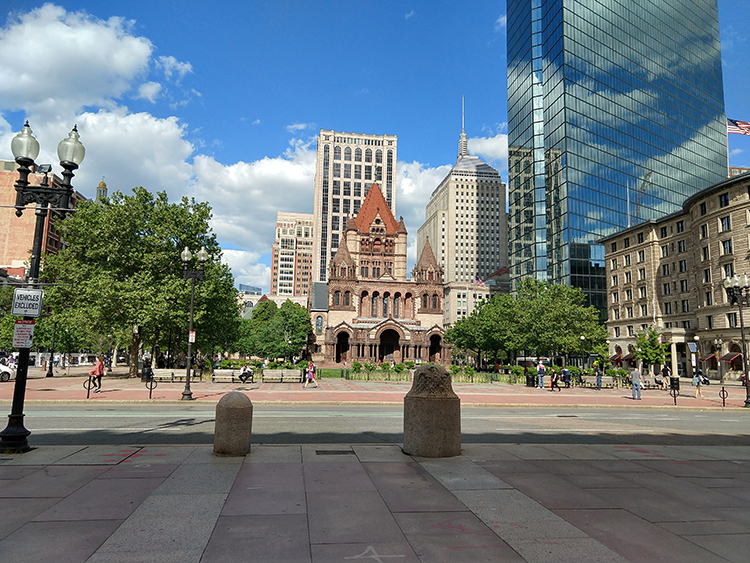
[187, 396]
[13, 440]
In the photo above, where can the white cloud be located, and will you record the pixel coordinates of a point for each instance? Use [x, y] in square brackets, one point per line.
[735, 152]
[256, 122]
[493, 149]
[501, 23]
[50, 38]
[295, 127]
[410, 15]
[149, 91]
[172, 66]
[246, 269]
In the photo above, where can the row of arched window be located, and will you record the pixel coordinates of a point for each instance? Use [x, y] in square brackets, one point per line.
[376, 305]
[357, 154]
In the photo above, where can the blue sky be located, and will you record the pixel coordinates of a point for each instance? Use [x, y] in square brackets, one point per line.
[223, 100]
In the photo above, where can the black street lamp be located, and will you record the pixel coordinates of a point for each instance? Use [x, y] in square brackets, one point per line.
[738, 292]
[718, 343]
[193, 275]
[25, 149]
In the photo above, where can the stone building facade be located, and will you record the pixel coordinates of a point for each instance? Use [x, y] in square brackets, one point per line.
[669, 274]
[373, 313]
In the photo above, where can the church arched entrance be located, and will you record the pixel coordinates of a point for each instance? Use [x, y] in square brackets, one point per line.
[390, 350]
[342, 347]
[436, 346]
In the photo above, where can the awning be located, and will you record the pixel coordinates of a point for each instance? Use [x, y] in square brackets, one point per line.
[628, 357]
[706, 357]
[729, 357]
[614, 358]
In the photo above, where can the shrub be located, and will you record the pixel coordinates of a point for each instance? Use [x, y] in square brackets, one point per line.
[356, 367]
[409, 365]
[225, 364]
[399, 368]
[470, 371]
[456, 369]
[303, 365]
[273, 365]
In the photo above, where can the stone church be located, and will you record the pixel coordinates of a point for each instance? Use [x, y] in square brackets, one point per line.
[369, 311]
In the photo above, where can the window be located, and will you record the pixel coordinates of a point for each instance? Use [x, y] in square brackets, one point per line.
[683, 285]
[640, 238]
[630, 330]
[709, 321]
[704, 253]
[726, 246]
[627, 277]
[616, 314]
[617, 331]
[683, 266]
[732, 320]
[615, 297]
[667, 288]
[681, 247]
[703, 208]
[614, 280]
[709, 299]
[627, 259]
[641, 256]
[726, 224]
[668, 308]
[319, 325]
[680, 226]
[627, 242]
[630, 312]
[424, 301]
[665, 251]
[707, 275]
[665, 270]
[728, 270]
[685, 306]
[628, 295]
[336, 298]
[686, 324]
[434, 301]
[642, 274]
[642, 292]
[614, 247]
[614, 263]
[704, 230]
[663, 232]
[724, 199]
[347, 298]
[644, 310]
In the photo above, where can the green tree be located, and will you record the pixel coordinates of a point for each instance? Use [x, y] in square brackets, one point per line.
[121, 272]
[650, 347]
[275, 332]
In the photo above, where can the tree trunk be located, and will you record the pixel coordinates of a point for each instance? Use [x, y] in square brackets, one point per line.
[134, 346]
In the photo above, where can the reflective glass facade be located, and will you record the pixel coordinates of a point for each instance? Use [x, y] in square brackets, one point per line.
[615, 116]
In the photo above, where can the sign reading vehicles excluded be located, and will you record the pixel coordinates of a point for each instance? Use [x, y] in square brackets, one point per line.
[27, 302]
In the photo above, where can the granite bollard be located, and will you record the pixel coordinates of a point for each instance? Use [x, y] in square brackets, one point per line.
[432, 415]
[234, 425]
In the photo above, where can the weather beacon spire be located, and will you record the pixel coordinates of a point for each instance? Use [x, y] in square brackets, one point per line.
[463, 143]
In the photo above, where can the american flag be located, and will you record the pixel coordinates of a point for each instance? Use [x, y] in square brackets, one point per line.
[479, 282]
[738, 127]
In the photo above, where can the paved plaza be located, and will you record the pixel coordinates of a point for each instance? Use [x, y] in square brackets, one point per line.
[540, 502]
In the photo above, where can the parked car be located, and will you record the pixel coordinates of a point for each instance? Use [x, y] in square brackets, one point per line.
[5, 372]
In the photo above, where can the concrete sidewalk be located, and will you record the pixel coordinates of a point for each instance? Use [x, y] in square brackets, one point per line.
[341, 391]
[288, 504]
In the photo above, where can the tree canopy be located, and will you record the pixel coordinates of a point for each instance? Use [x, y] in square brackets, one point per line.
[120, 273]
[275, 332]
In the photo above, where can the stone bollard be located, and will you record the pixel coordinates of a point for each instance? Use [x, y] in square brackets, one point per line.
[432, 415]
[234, 425]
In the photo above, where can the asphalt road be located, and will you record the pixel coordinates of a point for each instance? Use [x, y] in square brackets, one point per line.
[194, 424]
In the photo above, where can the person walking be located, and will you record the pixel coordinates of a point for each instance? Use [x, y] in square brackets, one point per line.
[310, 376]
[98, 372]
[540, 369]
[598, 372]
[554, 379]
[635, 378]
[698, 383]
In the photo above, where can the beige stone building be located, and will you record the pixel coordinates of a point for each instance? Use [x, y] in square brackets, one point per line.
[372, 312]
[467, 227]
[669, 274]
[291, 269]
[347, 164]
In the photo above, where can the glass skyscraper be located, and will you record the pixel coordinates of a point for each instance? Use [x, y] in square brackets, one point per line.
[615, 116]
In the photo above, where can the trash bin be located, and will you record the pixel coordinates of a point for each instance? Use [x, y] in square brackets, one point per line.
[146, 373]
[530, 379]
[674, 383]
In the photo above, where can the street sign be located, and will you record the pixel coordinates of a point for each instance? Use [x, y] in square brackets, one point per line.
[27, 302]
[23, 333]
[191, 337]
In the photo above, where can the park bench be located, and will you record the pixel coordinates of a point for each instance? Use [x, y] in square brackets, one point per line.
[164, 374]
[281, 375]
[607, 381]
[230, 375]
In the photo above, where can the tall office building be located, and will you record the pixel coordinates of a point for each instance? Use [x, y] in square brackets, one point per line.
[347, 165]
[616, 116]
[467, 226]
[292, 255]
